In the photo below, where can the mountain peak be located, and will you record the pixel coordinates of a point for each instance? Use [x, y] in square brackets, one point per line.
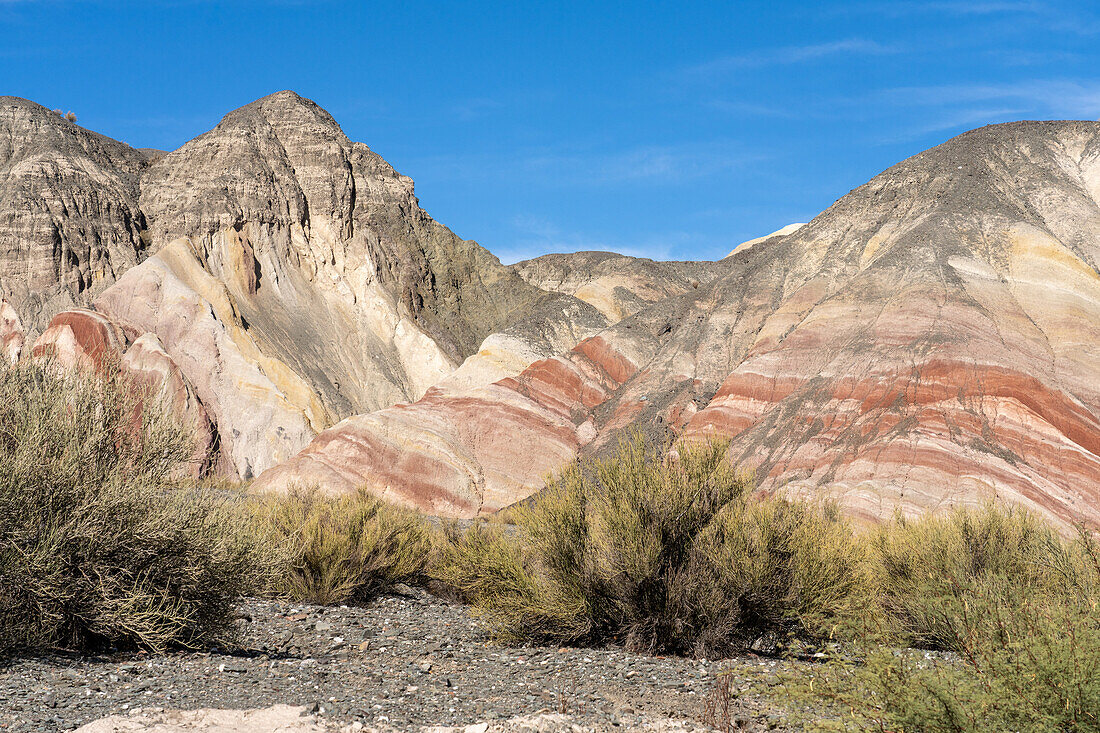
[285, 109]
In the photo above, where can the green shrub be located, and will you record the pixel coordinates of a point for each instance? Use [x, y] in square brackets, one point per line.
[923, 569]
[1018, 607]
[342, 549]
[98, 546]
[668, 555]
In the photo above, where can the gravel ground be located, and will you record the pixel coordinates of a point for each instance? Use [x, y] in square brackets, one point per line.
[404, 661]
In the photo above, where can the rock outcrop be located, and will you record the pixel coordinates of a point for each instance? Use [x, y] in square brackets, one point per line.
[82, 341]
[931, 339]
[11, 333]
[152, 370]
[472, 452]
[289, 272]
[616, 285]
[297, 281]
[70, 222]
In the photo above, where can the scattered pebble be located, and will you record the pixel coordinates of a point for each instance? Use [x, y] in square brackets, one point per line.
[407, 660]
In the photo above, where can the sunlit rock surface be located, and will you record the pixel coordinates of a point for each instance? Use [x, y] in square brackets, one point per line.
[152, 370]
[289, 272]
[82, 341]
[11, 333]
[70, 223]
[931, 339]
[616, 285]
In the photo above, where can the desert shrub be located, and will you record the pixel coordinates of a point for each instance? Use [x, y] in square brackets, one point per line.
[1017, 606]
[924, 568]
[341, 549]
[663, 554]
[98, 546]
[71, 117]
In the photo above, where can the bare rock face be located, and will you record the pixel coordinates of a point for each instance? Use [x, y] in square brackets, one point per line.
[472, 452]
[289, 273]
[327, 254]
[552, 325]
[297, 281]
[150, 368]
[11, 333]
[70, 223]
[931, 339]
[616, 285]
[262, 410]
[80, 340]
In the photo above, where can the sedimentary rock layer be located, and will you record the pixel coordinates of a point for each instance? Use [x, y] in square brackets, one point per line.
[70, 223]
[289, 272]
[931, 339]
[476, 451]
[616, 285]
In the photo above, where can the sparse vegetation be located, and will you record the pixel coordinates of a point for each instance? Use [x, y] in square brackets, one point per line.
[98, 545]
[668, 555]
[341, 549]
[972, 620]
[1017, 607]
[922, 569]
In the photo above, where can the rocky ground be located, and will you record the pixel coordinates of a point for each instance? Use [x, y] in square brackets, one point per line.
[403, 662]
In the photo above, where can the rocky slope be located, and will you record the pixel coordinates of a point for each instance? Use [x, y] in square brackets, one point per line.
[932, 338]
[287, 272]
[616, 285]
[70, 222]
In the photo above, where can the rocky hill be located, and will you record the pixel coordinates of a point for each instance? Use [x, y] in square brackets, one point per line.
[932, 338]
[70, 222]
[288, 273]
[616, 285]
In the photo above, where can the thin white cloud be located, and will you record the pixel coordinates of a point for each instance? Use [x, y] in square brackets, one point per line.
[950, 7]
[952, 121]
[1067, 17]
[642, 165]
[471, 109]
[1049, 98]
[786, 55]
[655, 163]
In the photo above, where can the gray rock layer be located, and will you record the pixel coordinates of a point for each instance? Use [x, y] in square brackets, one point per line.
[70, 222]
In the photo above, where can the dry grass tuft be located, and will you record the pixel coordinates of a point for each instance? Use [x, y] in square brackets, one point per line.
[343, 549]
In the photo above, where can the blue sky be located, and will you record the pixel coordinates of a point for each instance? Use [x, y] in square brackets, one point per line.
[670, 130]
